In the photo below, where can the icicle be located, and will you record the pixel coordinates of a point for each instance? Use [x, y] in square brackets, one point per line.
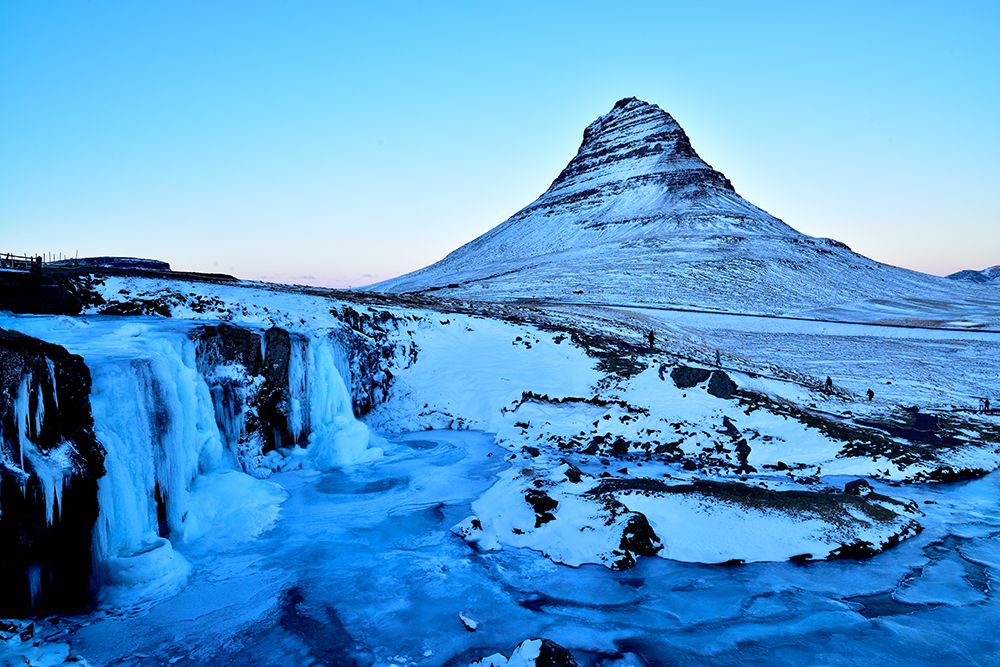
[22, 415]
[51, 469]
[298, 401]
[34, 574]
[52, 381]
[39, 410]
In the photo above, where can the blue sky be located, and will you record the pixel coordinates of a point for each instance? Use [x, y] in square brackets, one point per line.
[344, 143]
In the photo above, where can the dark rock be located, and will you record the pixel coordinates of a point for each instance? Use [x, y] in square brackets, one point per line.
[730, 427]
[552, 654]
[251, 409]
[720, 385]
[685, 377]
[573, 474]
[857, 549]
[858, 487]
[638, 539]
[226, 344]
[530, 451]
[619, 447]
[273, 400]
[36, 293]
[543, 504]
[44, 545]
[925, 422]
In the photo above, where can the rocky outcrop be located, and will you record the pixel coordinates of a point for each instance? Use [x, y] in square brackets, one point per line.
[247, 374]
[370, 355]
[50, 462]
[23, 292]
[685, 377]
[720, 384]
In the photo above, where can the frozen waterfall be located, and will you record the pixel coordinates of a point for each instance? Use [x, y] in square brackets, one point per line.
[154, 413]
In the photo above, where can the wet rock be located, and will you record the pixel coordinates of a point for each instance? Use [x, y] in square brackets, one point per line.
[51, 461]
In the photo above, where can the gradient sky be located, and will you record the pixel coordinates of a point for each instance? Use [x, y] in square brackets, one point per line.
[338, 143]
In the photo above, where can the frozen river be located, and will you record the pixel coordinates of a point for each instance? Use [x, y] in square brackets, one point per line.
[360, 567]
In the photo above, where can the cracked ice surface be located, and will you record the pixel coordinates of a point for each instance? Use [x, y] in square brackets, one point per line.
[358, 566]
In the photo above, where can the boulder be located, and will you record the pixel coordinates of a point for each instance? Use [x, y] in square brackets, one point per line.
[720, 385]
[685, 377]
[858, 487]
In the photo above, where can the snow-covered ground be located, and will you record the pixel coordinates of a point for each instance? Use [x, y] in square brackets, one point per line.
[365, 551]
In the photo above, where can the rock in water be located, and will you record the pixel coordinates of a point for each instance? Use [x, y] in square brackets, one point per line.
[531, 653]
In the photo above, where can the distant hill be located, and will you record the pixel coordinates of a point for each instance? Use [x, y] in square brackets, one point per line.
[990, 275]
[115, 263]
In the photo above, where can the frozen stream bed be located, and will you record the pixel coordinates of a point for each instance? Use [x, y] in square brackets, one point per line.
[359, 566]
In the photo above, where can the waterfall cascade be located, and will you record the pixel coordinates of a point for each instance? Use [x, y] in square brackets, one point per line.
[169, 408]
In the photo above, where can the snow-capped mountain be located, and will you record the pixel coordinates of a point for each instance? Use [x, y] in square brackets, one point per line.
[638, 217]
[989, 275]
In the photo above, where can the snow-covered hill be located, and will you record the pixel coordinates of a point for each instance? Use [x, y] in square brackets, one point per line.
[989, 275]
[638, 218]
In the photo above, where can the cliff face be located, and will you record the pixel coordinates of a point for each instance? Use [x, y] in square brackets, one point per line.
[247, 374]
[50, 462]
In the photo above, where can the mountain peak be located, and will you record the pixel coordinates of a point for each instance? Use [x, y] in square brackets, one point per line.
[635, 188]
[636, 163]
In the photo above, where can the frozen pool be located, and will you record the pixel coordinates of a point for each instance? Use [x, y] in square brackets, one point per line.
[358, 566]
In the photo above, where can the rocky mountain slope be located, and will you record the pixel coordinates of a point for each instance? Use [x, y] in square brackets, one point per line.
[637, 217]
